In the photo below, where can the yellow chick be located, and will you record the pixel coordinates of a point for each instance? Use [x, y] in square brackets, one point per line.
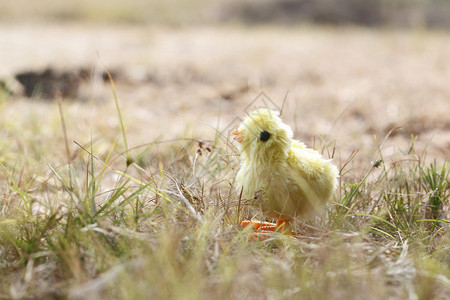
[286, 179]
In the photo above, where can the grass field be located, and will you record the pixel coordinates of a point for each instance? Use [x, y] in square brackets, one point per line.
[132, 196]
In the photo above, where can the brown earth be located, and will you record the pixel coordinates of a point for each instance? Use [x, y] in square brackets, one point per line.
[343, 86]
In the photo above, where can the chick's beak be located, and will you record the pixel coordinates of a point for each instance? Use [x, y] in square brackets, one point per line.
[239, 136]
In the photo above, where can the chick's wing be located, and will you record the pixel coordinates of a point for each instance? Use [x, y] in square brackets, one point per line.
[307, 162]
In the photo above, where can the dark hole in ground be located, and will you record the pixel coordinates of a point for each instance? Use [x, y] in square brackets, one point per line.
[50, 84]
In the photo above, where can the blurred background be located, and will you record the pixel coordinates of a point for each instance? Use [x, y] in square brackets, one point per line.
[398, 13]
[349, 69]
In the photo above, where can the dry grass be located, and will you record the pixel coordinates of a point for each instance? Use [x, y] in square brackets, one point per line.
[165, 226]
[87, 221]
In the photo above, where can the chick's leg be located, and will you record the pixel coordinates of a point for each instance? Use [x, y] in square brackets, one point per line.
[258, 225]
[284, 226]
[281, 226]
[261, 230]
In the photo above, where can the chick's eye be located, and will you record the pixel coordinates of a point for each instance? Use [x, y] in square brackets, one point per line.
[264, 136]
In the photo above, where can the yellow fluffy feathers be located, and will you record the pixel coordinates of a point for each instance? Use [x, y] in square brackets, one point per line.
[291, 180]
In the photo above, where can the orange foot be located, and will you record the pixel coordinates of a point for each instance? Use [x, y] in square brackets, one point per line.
[264, 230]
